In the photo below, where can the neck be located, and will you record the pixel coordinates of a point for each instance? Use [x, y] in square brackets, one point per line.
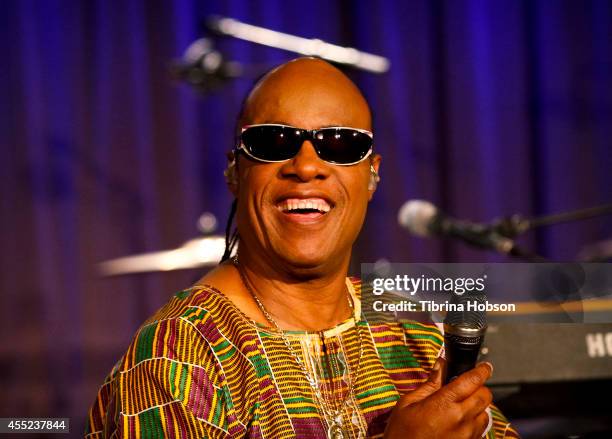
[296, 301]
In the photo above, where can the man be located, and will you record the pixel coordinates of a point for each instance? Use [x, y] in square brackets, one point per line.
[273, 343]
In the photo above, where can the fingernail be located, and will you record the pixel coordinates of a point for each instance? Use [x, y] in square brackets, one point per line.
[436, 366]
[490, 367]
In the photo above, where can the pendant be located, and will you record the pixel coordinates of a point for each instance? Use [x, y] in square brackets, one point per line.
[335, 431]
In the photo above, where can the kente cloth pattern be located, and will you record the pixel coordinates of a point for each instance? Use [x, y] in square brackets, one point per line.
[200, 368]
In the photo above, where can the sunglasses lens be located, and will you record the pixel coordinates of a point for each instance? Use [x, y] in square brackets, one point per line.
[272, 143]
[277, 143]
[342, 145]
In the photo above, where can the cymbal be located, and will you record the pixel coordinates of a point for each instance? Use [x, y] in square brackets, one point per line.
[198, 252]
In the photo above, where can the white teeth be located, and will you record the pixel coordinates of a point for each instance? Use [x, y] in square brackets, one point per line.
[315, 203]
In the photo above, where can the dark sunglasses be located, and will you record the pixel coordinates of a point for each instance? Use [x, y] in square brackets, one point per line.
[272, 143]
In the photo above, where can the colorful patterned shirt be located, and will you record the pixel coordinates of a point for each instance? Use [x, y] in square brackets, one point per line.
[201, 368]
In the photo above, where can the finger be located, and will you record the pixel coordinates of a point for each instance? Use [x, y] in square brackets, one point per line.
[467, 383]
[476, 403]
[435, 376]
[433, 383]
[481, 423]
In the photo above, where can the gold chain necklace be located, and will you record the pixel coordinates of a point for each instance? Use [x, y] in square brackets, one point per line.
[333, 417]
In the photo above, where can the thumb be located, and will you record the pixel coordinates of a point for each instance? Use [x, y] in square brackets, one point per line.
[433, 383]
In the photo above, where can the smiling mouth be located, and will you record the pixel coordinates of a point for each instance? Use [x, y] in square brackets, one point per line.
[304, 208]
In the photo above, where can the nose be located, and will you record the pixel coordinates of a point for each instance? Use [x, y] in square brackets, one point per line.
[306, 165]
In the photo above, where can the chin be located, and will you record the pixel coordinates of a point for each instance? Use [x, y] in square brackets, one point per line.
[305, 260]
[310, 260]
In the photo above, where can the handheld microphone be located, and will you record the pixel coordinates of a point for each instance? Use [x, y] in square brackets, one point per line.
[422, 218]
[464, 333]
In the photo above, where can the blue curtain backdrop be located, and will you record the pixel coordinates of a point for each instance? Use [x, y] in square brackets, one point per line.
[490, 108]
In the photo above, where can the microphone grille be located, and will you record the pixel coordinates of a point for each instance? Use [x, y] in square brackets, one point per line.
[416, 216]
[468, 318]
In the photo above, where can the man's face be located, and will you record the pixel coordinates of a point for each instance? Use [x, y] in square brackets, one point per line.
[306, 94]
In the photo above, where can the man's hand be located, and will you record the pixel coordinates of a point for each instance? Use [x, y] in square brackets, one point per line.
[456, 410]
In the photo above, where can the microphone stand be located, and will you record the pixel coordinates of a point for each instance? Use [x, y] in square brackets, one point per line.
[348, 56]
[510, 227]
[515, 225]
[205, 68]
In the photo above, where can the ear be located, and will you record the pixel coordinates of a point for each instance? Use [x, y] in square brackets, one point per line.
[374, 176]
[231, 173]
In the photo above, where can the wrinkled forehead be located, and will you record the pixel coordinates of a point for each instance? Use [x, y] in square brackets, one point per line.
[308, 94]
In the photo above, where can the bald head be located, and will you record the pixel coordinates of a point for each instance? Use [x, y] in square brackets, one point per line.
[307, 93]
